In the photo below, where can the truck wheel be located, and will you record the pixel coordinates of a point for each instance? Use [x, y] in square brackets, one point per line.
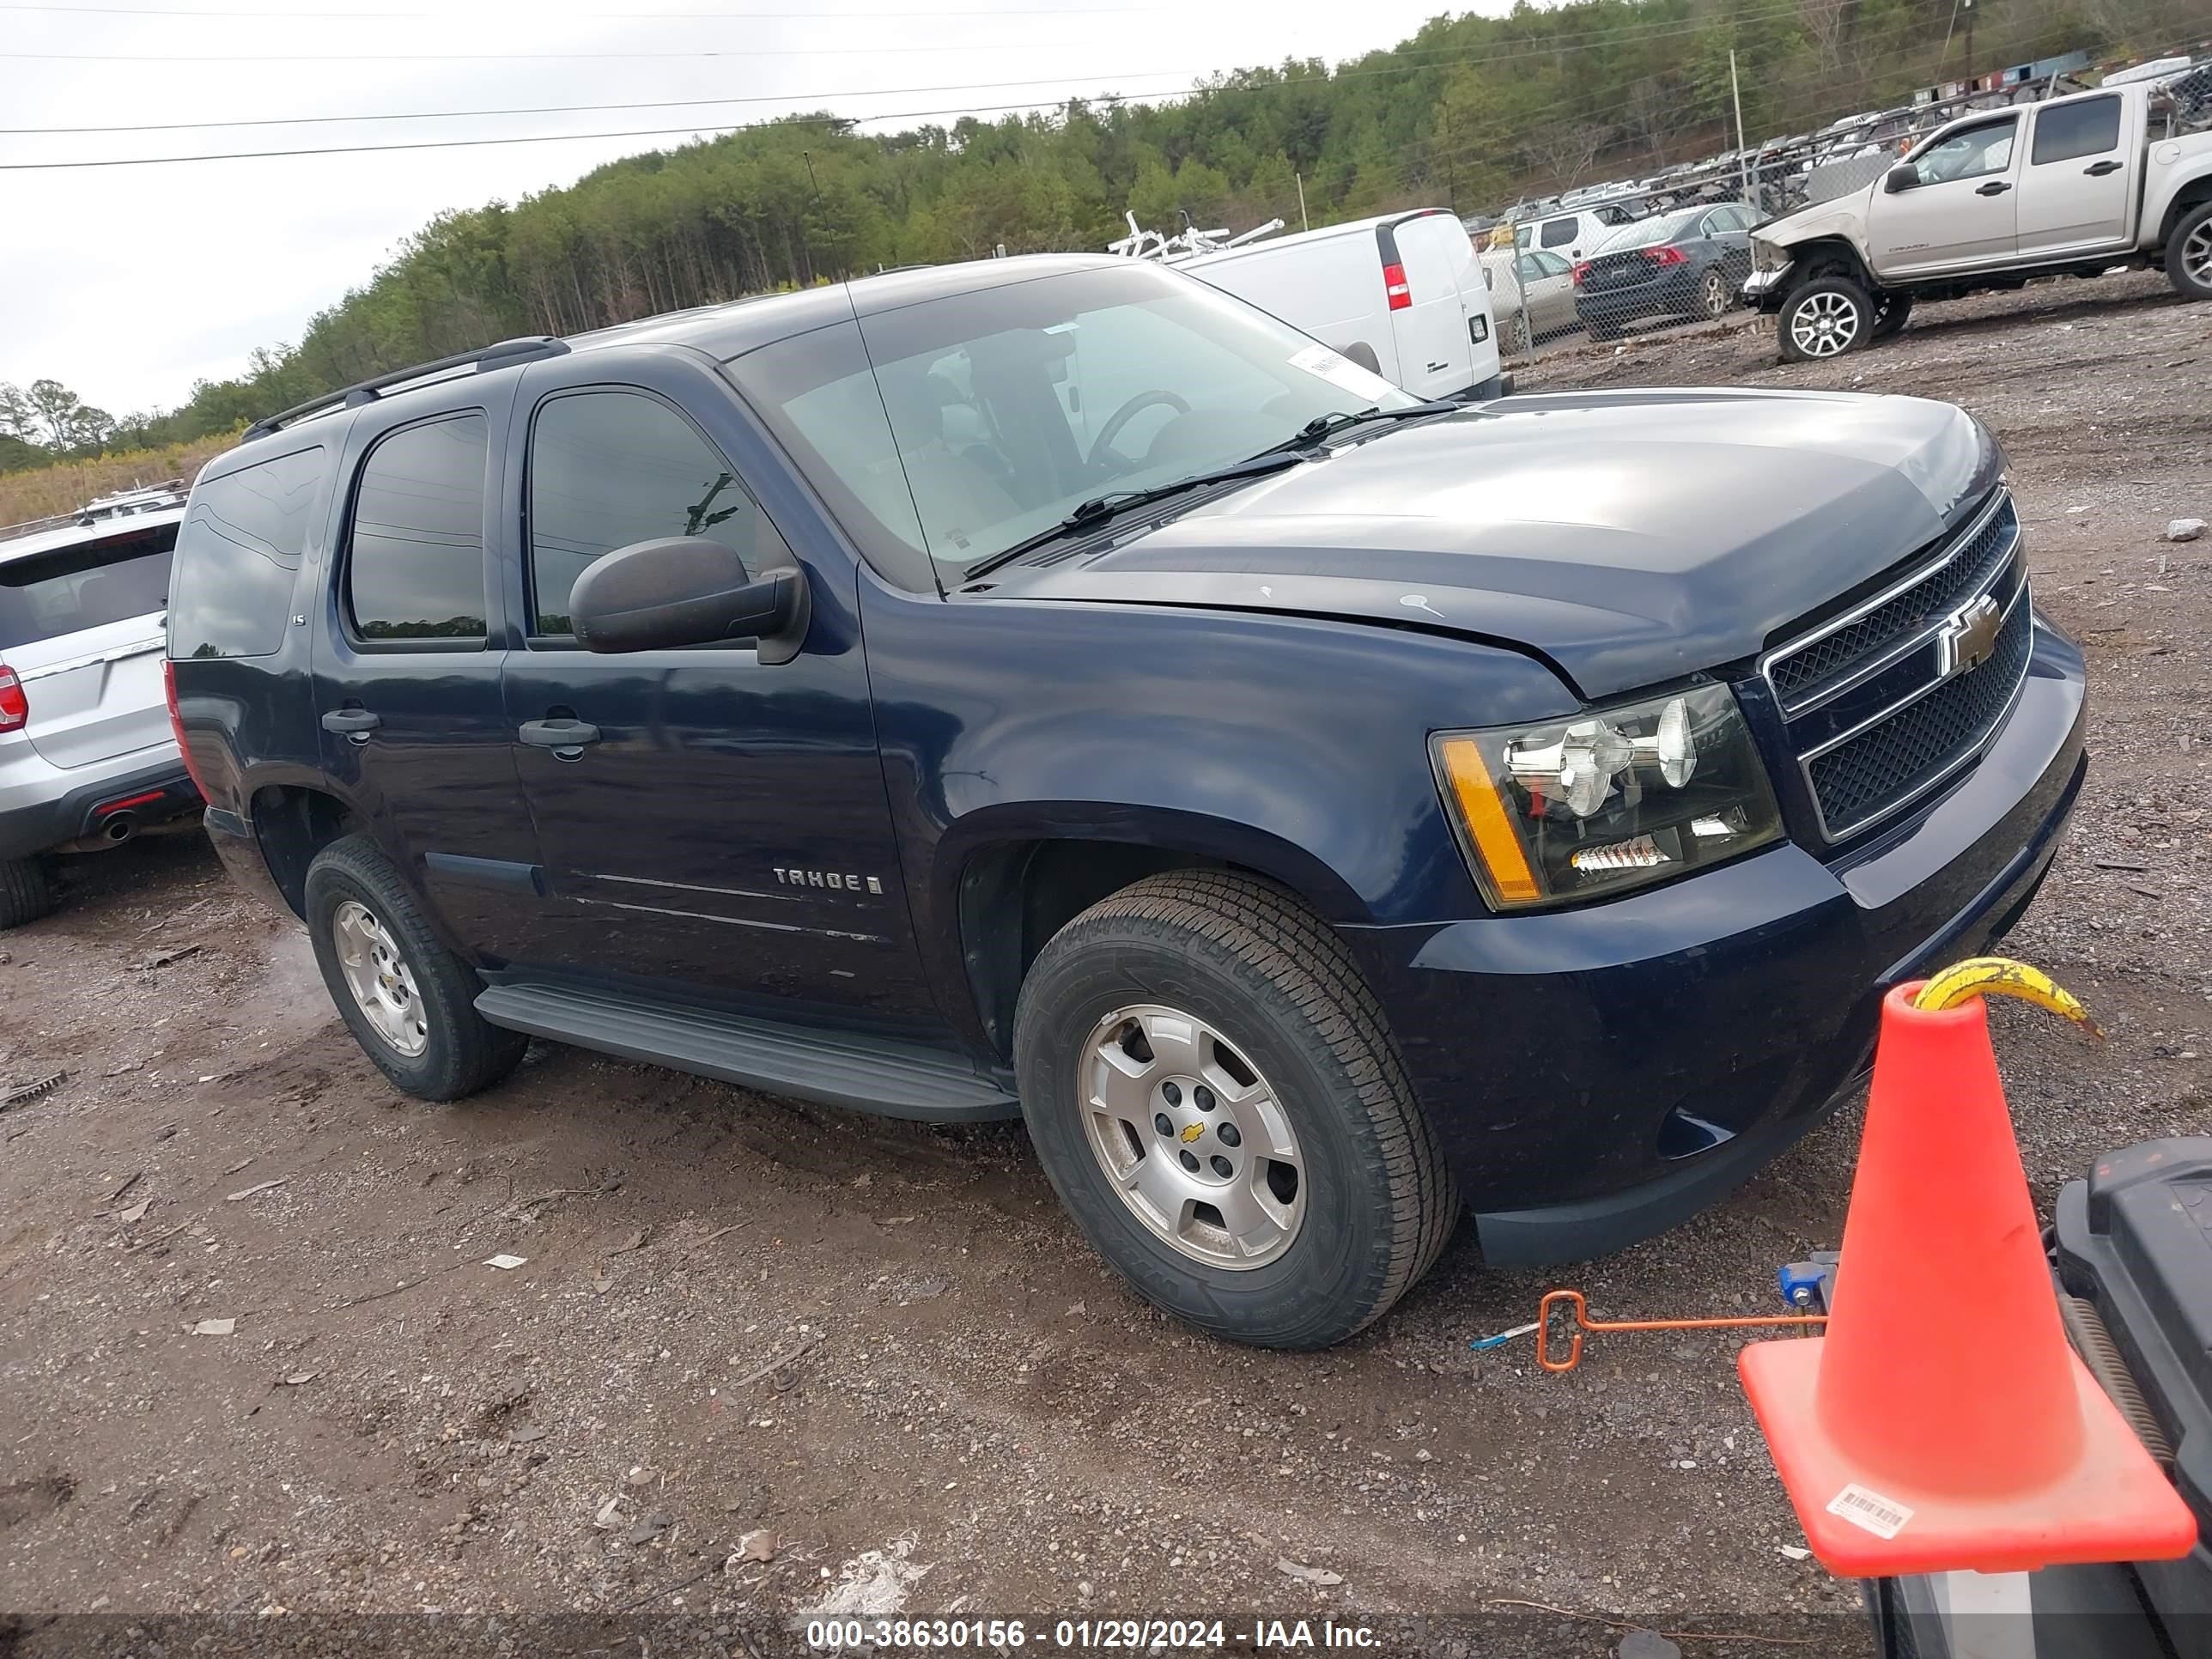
[26, 890]
[2189, 254]
[1890, 319]
[1518, 341]
[1824, 319]
[1213, 1093]
[408, 1001]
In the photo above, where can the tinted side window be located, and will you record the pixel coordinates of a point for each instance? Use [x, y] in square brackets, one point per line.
[236, 555]
[415, 570]
[1559, 232]
[2069, 131]
[611, 468]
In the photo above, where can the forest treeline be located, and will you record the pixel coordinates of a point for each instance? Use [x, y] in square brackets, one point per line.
[1471, 112]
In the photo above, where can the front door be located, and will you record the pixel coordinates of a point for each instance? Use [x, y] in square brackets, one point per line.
[1961, 212]
[2074, 196]
[407, 681]
[718, 831]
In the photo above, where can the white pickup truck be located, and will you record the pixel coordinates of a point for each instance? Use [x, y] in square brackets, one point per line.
[2071, 186]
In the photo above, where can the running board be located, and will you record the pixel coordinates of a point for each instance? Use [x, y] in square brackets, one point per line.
[861, 1072]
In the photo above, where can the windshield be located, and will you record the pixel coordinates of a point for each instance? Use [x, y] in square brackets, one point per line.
[1009, 405]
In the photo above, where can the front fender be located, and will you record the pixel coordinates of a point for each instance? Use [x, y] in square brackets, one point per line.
[1293, 746]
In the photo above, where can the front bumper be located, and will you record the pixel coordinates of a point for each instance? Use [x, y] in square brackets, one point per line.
[148, 792]
[1763, 289]
[1597, 1075]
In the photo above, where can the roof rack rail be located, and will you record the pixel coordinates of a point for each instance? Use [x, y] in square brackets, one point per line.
[485, 359]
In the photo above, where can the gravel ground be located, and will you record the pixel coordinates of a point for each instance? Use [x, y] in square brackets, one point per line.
[878, 1353]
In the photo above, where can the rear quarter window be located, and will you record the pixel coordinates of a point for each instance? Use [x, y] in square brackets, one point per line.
[46, 596]
[244, 536]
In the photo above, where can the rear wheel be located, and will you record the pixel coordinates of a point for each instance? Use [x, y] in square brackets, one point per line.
[1213, 1096]
[2189, 254]
[1824, 319]
[408, 1001]
[26, 890]
[1713, 295]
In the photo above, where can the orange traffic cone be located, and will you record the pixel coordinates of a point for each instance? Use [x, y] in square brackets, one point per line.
[1942, 1422]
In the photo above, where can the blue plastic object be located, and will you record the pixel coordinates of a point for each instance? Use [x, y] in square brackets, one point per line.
[1809, 1286]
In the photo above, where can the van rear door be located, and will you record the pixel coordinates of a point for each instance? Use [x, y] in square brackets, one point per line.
[81, 626]
[1421, 286]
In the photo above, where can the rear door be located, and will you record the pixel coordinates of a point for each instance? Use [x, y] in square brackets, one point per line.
[407, 675]
[81, 626]
[2080, 177]
[1421, 289]
[1962, 212]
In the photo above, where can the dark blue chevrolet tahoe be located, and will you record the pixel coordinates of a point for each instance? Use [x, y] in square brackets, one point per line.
[1050, 687]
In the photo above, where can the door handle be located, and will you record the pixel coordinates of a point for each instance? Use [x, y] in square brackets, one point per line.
[355, 723]
[2099, 169]
[558, 734]
[1994, 187]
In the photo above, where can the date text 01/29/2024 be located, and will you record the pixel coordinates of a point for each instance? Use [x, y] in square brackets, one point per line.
[1081, 1635]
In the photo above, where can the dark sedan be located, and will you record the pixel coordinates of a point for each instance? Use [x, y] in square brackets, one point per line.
[1690, 262]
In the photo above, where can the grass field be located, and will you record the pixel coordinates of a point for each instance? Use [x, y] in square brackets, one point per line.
[69, 484]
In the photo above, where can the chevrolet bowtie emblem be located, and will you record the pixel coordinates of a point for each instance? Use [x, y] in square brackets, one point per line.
[1968, 637]
[1193, 1132]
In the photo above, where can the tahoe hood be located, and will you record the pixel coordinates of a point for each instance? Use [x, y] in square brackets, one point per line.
[1626, 538]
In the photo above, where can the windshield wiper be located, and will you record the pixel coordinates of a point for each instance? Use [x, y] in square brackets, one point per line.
[1327, 426]
[1088, 515]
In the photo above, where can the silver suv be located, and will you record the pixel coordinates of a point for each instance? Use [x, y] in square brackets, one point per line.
[88, 754]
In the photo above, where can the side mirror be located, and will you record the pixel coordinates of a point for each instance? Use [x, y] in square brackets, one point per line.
[1903, 176]
[686, 590]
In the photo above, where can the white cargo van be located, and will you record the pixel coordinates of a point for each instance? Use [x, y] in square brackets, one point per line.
[1400, 295]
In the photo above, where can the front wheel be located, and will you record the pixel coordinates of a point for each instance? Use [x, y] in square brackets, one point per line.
[1824, 319]
[408, 1001]
[1213, 1096]
[2189, 254]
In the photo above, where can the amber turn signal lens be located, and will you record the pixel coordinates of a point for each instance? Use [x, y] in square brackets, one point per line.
[1488, 825]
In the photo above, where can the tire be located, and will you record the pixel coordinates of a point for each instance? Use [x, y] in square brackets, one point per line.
[2189, 253]
[1267, 986]
[26, 890]
[434, 993]
[1519, 342]
[1890, 319]
[1714, 296]
[1840, 299]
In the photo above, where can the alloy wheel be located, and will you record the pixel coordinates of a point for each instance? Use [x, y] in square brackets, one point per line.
[1715, 295]
[1824, 325]
[377, 975]
[2197, 255]
[1192, 1137]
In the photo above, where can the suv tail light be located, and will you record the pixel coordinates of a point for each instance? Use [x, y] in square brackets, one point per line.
[1581, 270]
[1665, 256]
[15, 707]
[177, 724]
[1395, 286]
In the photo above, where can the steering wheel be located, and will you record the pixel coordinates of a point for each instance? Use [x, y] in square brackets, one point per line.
[1121, 417]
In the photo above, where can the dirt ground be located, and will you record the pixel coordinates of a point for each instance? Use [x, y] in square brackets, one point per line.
[879, 1352]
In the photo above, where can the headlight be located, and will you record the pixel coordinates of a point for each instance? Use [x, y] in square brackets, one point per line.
[1607, 800]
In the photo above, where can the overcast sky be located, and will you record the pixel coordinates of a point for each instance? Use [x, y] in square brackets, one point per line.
[128, 283]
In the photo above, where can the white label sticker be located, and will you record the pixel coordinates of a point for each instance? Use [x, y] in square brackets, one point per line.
[1885, 1518]
[1340, 371]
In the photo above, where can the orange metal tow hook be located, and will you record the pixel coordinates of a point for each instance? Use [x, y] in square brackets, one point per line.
[1584, 1322]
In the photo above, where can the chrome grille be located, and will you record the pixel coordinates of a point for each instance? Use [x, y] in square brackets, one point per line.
[1861, 778]
[1878, 708]
[1932, 595]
